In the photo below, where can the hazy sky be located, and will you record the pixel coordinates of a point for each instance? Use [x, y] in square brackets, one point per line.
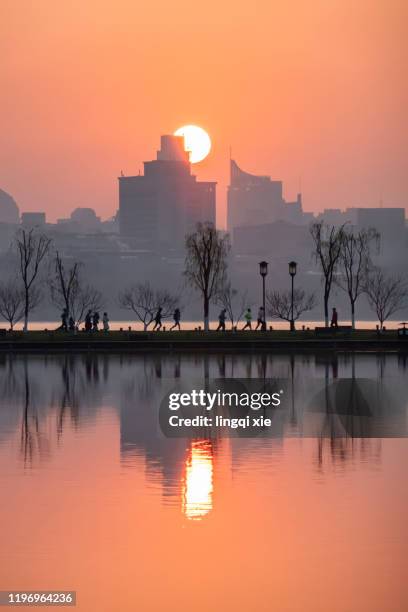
[312, 92]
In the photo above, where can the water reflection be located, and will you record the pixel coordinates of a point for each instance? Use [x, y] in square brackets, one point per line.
[32, 439]
[198, 481]
[335, 398]
[95, 494]
[340, 453]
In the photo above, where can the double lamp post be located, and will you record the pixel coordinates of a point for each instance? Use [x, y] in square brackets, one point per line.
[263, 271]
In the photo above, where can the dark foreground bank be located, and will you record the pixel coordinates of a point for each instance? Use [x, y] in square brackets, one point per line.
[199, 340]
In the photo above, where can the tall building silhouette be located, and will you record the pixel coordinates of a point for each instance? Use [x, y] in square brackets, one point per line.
[256, 200]
[158, 208]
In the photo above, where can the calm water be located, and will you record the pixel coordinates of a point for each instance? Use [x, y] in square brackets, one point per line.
[96, 500]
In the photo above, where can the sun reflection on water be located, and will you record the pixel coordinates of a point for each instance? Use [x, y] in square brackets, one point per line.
[198, 482]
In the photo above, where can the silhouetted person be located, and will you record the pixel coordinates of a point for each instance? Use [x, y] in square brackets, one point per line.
[64, 320]
[334, 319]
[158, 320]
[95, 321]
[176, 317]
[261, 317]
[88, 321]
[248, 319]
[71, 324]
[105, 322]
[221, 320]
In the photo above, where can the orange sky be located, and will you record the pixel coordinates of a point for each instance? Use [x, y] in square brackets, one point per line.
[313, 91]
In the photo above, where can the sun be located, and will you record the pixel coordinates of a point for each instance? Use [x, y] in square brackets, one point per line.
[196, 141]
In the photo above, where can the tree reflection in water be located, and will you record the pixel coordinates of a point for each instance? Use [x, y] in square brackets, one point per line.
[42, 395]
[32, 441]
[347, 427]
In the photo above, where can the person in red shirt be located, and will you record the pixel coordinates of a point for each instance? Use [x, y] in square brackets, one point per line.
[334, 319]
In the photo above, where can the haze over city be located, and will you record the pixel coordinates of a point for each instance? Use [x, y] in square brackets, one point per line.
[310, 95]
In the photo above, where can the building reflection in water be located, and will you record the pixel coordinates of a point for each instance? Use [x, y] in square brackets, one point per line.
[342, 401]
[197, 488]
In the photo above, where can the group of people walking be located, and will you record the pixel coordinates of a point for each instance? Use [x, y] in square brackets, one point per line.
[67, 323]
[222, 319]
[260, 322]
[158, 319]
[91, 322]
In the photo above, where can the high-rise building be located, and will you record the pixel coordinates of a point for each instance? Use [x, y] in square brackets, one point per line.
[157, 209]
[255, 200]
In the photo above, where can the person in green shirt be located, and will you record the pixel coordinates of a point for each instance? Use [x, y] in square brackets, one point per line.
[248, 319]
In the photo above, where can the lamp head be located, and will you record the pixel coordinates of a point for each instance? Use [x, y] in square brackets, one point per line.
[263, 268]
[292, 268]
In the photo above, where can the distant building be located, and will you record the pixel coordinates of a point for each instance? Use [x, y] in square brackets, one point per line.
[31, 220]
[254, 200]
[9, 212]
[86, 218]
[390, 223]
[81, 221]
[279, 240]
[308, 218]
[158, 208]
[387, 220]
[336, 216]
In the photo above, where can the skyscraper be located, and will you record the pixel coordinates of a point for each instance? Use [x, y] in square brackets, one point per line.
[256, 200]
[158, 208]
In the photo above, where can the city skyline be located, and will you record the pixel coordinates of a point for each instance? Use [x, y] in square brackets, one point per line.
[262, 190]
[313, 97]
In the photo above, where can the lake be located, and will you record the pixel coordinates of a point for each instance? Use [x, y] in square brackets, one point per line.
[308, 517]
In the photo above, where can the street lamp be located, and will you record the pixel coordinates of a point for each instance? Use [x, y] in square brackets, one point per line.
[263, 271]
[292, 272]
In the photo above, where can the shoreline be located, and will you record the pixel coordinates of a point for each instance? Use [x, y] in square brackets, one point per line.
[187, 341]
[192, 325]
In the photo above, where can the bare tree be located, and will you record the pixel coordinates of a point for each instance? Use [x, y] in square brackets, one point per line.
[84, 297]
[11, 302]
[69, 291]
[328, 243]
[355, 262]
[144, 301]
[32, 248]
[233, 302]
[279, 304]
[63, 283]
[386, 294]
[206, 263]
